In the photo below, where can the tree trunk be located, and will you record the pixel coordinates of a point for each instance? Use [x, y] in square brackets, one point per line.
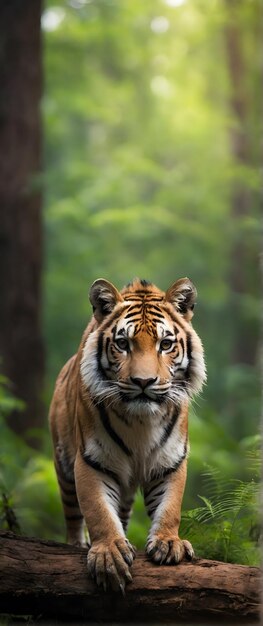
[50, 579]
[244, 266]
[21, 346]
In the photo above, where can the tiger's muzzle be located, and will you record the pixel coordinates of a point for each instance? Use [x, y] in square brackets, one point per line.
[144, 390]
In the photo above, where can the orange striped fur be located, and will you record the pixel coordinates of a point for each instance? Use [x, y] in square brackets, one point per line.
[119, 420]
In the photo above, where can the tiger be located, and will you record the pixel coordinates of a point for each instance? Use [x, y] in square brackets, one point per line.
[119, 422]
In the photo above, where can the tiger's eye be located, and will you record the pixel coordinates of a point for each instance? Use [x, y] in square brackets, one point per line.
[166, 344]
[123, 344]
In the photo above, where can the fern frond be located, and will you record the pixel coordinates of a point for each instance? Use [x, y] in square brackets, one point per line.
[213, 480]
[209, 505]
[222, 527]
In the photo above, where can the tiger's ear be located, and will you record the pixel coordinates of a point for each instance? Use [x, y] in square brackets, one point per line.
[103, 297]
[182, 295]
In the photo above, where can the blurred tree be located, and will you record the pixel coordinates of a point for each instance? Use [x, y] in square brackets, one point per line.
[242, 45]
[21, 346]
[141, 178]
[243, 258]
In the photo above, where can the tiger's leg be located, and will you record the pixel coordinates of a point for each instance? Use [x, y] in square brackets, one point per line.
[125, 508]
[110, 555]
[73, 517]
[163, 499]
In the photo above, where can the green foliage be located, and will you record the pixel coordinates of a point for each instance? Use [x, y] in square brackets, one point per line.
[14, 452]
[227, 525]
[38, 501]
[29, 500]
[8, 519]
[7, 400]
[139, 524]
[140, 176]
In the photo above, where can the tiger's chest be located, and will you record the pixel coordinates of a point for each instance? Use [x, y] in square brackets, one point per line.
[137, 449]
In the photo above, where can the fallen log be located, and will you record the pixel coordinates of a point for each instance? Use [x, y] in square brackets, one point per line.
[50, 579]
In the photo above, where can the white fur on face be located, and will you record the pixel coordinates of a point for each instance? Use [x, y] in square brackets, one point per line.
[140, 424]
[110, 388]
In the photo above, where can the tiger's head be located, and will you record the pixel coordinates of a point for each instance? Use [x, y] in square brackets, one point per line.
[144, 353]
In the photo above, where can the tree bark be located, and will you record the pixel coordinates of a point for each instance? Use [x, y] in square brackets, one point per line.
[50, 579]
[21, 346]
[244, 266]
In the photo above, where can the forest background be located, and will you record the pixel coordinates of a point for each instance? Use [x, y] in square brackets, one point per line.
[145, 161]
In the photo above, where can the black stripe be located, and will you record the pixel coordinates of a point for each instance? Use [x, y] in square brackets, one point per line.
[157, 484]
[169, 470]
[174, 316]
[132, 314]
[112, 489]
[107, 350]
[189, 352]
[175, 467]
[168, 334]
[133, 298]
[67, 492]
[115, 501]
[150, 502]
[99, 355]
[169, 427]
[120, 332]
[64, 478]
[111, 432]
[112, 318]
[156, 308]
[151, 511]
[136, 319]
[156, 299]
[181, 342]
[70, 504]
[157, 315]
[107, 345]
[125, 522]
[128, 503]
[133, 306]
[189, 346]
[60, 473]
[125, 510]
[113, 331]
[74, 517]
[112, 494]
[100, 468]
[149, 294]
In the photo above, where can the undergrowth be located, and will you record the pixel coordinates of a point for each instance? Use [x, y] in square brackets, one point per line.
[226, 526]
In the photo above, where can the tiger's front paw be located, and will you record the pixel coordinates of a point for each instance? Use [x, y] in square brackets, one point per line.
[109, 563]
[168, 550]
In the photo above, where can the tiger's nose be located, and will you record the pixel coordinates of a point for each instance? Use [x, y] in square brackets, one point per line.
[143, 382]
